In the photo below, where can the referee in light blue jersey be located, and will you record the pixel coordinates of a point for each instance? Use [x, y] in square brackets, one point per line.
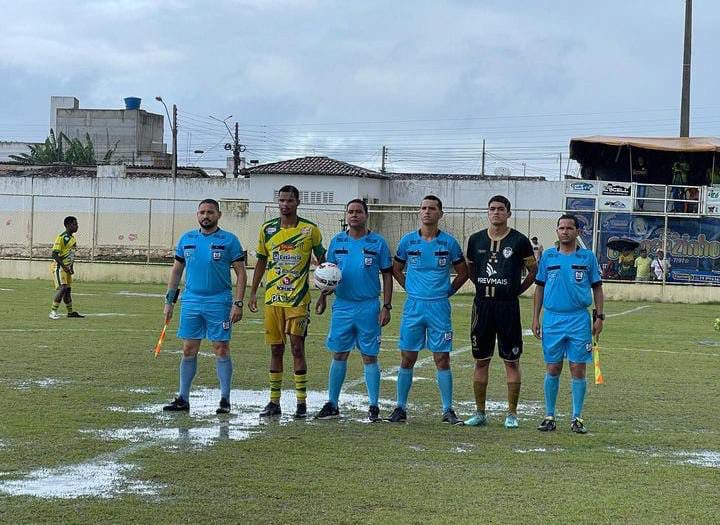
[567, 282]
[208, 308]
[357, 317]
[428, 254]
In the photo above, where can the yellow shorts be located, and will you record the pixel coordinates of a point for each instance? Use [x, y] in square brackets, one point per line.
[281, 320]
[60, 276]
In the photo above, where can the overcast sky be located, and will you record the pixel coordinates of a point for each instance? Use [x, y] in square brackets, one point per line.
[428, 79]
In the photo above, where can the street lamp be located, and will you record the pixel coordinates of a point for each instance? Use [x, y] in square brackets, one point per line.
[173, 128]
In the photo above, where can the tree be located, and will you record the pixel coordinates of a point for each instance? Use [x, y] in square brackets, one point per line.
[53, 151]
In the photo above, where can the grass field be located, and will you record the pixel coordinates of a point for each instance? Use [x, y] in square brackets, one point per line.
[83, 438]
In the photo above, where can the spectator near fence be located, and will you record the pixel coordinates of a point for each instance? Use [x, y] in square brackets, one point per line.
[661, 266]
[643, 272]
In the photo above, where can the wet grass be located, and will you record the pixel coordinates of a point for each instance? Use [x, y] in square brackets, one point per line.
[84, 395]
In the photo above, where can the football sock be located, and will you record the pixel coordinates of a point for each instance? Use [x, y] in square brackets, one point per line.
[480, 389]
[372, 382]
[445, 384]
[300, 378]
[579, 386]
[55, 306]
[552, 386]
[513, 397]
[224, 368]
[188, 367]
[69, 307]
[275, 386]
[335, 381]
[404, 382]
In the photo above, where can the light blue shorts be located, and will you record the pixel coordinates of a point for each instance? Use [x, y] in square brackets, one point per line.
[205, 321]
[354, 324]
[567, 335]
[426, 324]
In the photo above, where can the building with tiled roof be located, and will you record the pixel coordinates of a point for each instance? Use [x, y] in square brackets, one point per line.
[313, 166]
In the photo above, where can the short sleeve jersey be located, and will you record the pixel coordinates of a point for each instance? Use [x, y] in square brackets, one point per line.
[208, 259]
[428, 264]
[288, 251]
[568, 279]
[499, 263]
[360, 261]
[65, 246]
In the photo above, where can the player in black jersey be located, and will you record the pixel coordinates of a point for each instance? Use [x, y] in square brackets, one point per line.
[496, 259]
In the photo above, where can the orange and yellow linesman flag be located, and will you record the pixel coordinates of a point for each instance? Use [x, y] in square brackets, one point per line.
[159, 344]
[599, 379]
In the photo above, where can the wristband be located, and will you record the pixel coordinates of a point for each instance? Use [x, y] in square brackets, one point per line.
[171, 296]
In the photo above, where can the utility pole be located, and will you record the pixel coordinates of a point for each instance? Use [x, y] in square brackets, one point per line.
[482, 165]
[685, 100]
[174, 142]
[382, 160]
[235, 146]
[560, 168]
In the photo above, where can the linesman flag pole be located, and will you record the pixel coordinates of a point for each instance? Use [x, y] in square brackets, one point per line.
[599, 379]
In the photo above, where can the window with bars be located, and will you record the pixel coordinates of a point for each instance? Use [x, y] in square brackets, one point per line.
[313, 197]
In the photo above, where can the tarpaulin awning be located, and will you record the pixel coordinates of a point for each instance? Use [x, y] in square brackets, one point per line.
[678, 144]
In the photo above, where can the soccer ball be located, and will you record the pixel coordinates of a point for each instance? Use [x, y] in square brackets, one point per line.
[327, 276]
[716, 324]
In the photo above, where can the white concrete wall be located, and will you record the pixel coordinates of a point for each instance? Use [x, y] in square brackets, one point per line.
[523, 194]
[262, 187]
[8, 148]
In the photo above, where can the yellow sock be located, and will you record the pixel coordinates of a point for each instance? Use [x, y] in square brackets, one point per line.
[300, 386]
[513, 397]
[275, 386]
[480, 395]
[55, 306]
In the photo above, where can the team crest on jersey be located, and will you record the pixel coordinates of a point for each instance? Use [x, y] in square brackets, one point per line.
[507, 252]
[413, 259]
[217, 256]
[270, 230]
[448, 336]
[226, 325]
[579, 274]
[368, 261]
[442, 261]
[305, 231]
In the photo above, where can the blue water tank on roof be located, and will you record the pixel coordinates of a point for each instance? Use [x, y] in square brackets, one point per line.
[132, 102]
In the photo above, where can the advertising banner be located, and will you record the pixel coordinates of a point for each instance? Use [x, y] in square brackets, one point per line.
[581, 187]
[693, 244]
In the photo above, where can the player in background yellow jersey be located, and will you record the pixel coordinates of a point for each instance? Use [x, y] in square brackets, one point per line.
[63, 254]
[284, 249]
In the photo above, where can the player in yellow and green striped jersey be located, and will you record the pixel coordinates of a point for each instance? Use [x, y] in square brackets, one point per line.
[63, 254]
[284, 249]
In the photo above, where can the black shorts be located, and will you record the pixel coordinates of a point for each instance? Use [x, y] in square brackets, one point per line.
[495, 318]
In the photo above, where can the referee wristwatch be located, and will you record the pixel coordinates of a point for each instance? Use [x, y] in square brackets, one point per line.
[596, 316]
[239, 303]
[387, 306]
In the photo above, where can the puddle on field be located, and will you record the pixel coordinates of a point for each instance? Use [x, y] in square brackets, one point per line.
[415, 378]
[539, 450]
[47, 382]
[108, 476]
[462, 448]
[700, 458]
[709, 342]
[525, 408]
[100, 478]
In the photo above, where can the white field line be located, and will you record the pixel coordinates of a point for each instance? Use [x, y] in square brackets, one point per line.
[629, 311]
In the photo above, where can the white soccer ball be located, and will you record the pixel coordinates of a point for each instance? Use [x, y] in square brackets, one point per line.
[327, 276]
